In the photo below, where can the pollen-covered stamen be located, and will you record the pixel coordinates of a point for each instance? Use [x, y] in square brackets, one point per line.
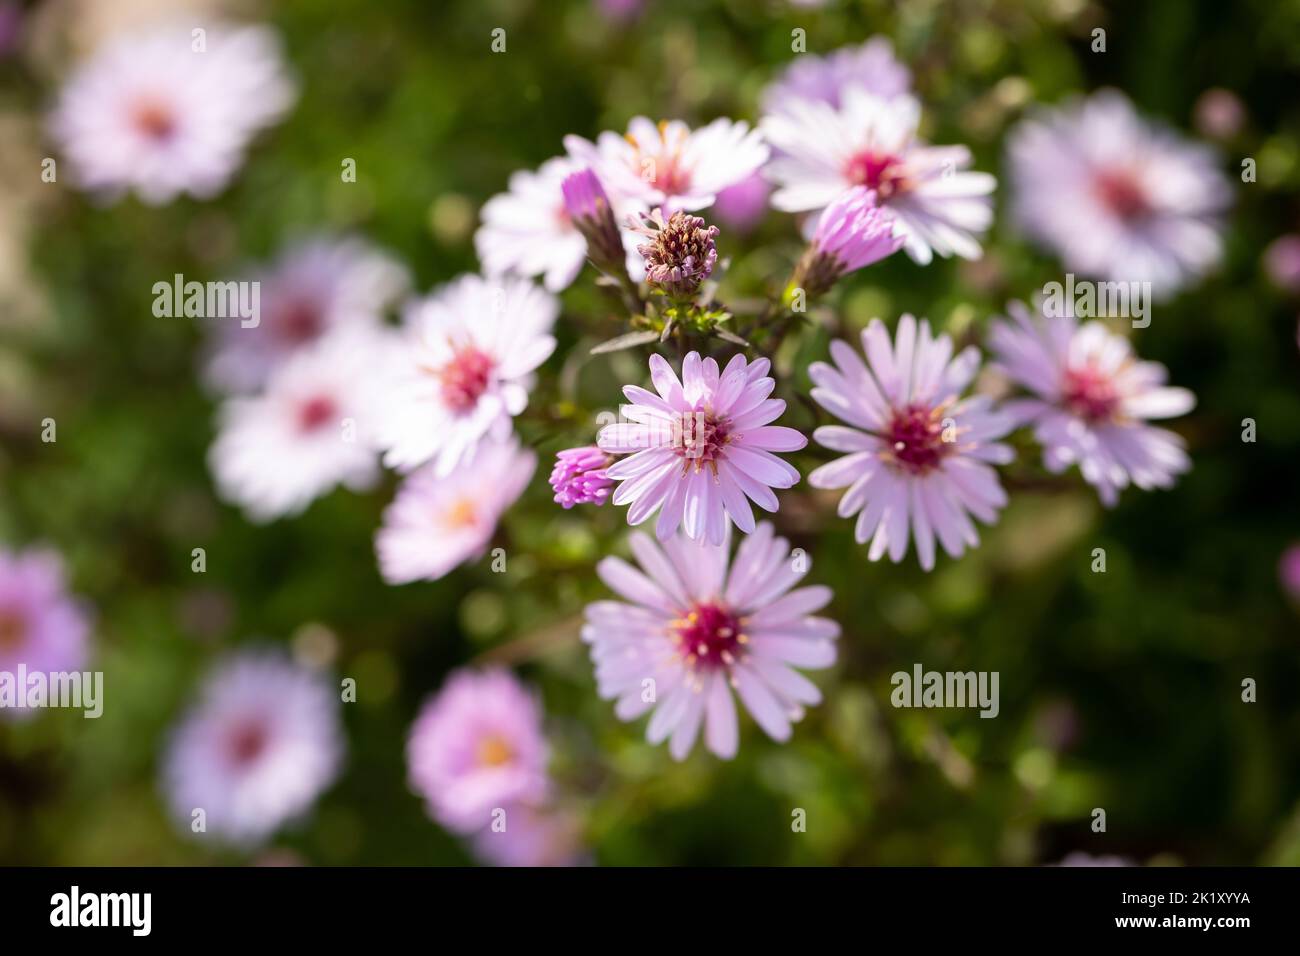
[246, 742]
[1123, 193]
[699, 438]
[709, 636]
[915, 438]
[316, 412]
[465, 378]
[879, 171]
[1090, 393]
[494, 750]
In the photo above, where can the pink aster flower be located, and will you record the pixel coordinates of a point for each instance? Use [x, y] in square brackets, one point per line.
[439, 522]
[871, 67]
[151, 113]
[852, 232]
[312, 429]
[477, 747]
[579, 477]
[670, 165]
[701, 447]
[689, 630]
[261, 744]
[940, 206]
[741, 207]
[472, 348]
[919, 454]
[42, 627]
[1091, 400]
[314, 287]
[1117, 197]
[532, 837]
[528, 231]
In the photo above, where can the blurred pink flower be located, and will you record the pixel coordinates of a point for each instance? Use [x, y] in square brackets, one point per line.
[1288, 571]
[670, 165]
[870, 67]
[822, 150]
[1282, 263]
[466, 369]
[477, 747]
[1219, 114]
[688, 631]
[437, 523]
[1117, 197]
[918, 453]
[700, 447]
[261, 744]
[1091, 400]
[312, 429]
[532, 837]
[579, 477]
[42, 627]
[313, 287]
[741, 207]
[152, 113]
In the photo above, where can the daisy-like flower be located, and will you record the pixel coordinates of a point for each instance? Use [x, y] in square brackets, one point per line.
[315, 287]
[668, 165]
[151, 113]
[871, 67]
[679, 253]
[312, 429]
[439, 522]
[472, 348]
[477, 747]
[919, 454]
[579, 477]
[689, 630]
[1117, 197]
[852, 232]
[261, 744]
[940, 206]
[1092, 399]
[701, 447]
[528, 231]
[41, 626]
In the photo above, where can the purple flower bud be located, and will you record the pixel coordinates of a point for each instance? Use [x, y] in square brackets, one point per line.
[853, 232]
[579, 476]
[680, 253]
[593, 216]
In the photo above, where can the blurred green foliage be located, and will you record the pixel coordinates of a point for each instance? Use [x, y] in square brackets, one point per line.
[1119, 690]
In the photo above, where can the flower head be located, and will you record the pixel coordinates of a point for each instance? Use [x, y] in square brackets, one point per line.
[313, 288]
[700, 447]
[41, 626]
[592, 214]
[529, 231]
[477, 746]
[533, 836]
[1091, 400]
[871, 67]
[310, 430]
[680, 253]
[1116, 197]
[689, 629]
[261, 744]
[151, 113]
[919, 454]
[579, 477]
[439, 522]
[668, 164]
[472, 348]
[940, 206]
[851, 233]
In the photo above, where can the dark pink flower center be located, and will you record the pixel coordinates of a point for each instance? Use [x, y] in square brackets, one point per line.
[154, 119]
[915, 438]
[316, 412]
[465, 378]
[879, 171]
[700, 437]
[247, 742]
[13, 630]
[1122, 192]
[1090, 393]
[298, 321]
[709, 636]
